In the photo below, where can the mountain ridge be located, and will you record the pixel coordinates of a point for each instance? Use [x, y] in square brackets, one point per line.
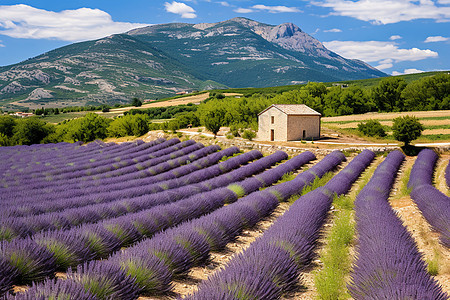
[160, 60]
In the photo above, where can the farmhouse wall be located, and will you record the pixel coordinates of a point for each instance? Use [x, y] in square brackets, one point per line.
[279, 125]
[297, 124]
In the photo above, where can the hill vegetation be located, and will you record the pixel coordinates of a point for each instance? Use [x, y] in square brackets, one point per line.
[160, 61]
[393, 94]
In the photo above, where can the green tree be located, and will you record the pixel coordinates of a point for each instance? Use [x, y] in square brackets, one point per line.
[30, 131]
[5, 140]
[7, 124]
[372, 128]
[214, 119]
[105, 108]
[387, 94]
[89, 128]
[136, 102]
[428, 93]
[129, 125]
[407, 129]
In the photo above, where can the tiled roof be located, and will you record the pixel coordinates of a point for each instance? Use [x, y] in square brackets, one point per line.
[294, 109]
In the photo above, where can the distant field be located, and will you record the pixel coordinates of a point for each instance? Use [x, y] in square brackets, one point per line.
[114, 112]
[173, 102]
[436, 123]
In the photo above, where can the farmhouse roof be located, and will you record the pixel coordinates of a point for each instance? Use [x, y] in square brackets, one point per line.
[293, 109]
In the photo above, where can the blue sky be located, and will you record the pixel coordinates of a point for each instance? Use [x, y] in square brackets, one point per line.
[395, 36]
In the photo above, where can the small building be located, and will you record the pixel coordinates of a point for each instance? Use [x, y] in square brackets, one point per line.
[288, 122]
[23, 114]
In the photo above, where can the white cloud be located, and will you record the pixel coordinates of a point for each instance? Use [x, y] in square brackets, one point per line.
[407, 71]
[333, 30]
[444, 2]
[23, 21]
[241, 10]
[383, 53]
[276, 9]
[434, 39]
[224, 3]
[179, 8]
[395, 37]
[388, 11]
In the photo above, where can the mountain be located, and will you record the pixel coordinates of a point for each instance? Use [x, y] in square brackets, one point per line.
[160, 60]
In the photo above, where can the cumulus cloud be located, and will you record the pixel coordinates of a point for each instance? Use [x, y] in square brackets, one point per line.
[224, 3]
[241, 10]
[385, 54]
[434, 39]
[179, 8]
[23, 21]
[388, 11]
[407, 71]
[276, 9]
[333, 30]
[395, 37]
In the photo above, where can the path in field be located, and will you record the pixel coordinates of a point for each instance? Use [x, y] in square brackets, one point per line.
[439, 177]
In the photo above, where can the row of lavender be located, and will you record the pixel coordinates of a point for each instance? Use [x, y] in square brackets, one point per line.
[433, 204]
[76, 176]
[389, 265]
[272, 264]
[15, 155]
[151, 264]
[200, 181]
[61, 249]
[169, 170]
[37, 159]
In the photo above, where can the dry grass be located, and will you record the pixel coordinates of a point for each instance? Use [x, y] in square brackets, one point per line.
[389, 116]
[179, 101]
[390, 123]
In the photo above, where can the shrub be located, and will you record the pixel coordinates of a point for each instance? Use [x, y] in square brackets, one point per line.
[249, 134]
[372, 128]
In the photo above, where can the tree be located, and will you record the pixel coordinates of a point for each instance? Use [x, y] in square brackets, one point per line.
[105, 108]
[128, 125]
[214, 119]
[407, 129]
[136, 102]
[89, 128]
[31, 131]
[7, 124]
[428, 93]
[387, 94]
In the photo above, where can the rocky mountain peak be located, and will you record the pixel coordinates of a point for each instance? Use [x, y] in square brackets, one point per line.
[284, 30]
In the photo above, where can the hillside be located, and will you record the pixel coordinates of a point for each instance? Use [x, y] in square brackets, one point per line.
[160, 60]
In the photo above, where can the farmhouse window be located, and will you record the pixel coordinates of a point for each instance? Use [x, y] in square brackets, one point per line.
[272, 118]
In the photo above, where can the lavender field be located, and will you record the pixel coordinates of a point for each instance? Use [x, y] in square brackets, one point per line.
[171, 219]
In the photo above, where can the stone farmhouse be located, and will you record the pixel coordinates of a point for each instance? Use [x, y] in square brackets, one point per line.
[288, 122]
